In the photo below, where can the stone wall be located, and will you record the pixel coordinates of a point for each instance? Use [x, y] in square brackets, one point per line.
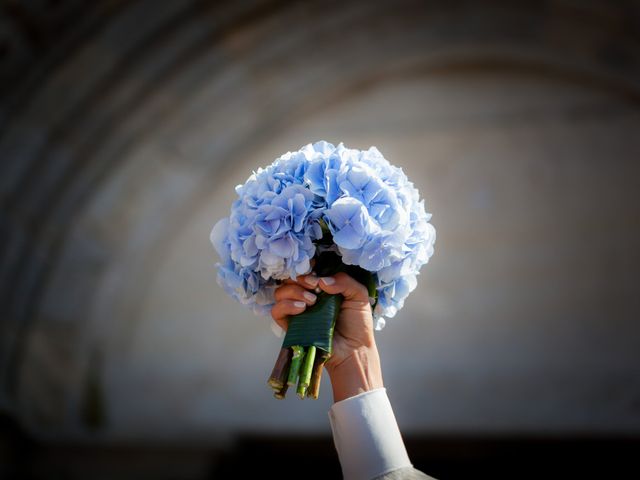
[125, 125]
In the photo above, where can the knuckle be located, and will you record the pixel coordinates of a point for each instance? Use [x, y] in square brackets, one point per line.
[341, 276]
[353, 288]
[362, 289]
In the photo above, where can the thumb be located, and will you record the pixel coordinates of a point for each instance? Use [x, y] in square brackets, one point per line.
[342, 283]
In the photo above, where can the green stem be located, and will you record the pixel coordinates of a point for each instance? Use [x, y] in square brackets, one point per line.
[296, 362]
[305, 373]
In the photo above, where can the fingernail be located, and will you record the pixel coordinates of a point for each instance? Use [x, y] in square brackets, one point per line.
[309, 296]
[328, 280]
[299, 304]
[311, 280]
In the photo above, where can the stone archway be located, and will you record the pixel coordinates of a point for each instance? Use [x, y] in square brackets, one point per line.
[116, 145]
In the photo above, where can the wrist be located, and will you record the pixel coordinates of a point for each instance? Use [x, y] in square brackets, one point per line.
[357, 373]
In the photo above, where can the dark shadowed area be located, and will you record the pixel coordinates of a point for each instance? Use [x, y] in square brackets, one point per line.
[124, 127]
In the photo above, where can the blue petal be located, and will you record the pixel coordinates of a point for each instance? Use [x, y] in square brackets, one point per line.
[282, 247]
[348, 237]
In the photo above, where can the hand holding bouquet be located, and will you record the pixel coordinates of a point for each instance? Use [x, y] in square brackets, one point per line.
[335, 210]
[354, 364]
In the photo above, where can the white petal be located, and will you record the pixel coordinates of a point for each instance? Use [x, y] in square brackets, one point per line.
[219, 234]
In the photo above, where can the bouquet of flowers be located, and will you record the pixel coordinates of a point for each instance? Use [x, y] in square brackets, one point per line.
[331, 209]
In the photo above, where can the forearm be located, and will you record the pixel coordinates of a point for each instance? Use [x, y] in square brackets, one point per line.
[357, 373]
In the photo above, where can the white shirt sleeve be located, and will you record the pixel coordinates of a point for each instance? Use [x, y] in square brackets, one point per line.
[366, 436]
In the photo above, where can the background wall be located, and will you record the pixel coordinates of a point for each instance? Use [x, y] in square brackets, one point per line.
[124, 127]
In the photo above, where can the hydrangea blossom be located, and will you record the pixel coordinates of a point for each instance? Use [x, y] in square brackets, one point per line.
[372, 210]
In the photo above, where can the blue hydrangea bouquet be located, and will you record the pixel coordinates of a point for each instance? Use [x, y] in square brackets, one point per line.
[329, 209]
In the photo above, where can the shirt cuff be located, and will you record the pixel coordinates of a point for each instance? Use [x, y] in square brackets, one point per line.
[366, 436]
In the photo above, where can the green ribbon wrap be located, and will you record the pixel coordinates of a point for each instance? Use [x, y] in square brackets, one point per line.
[315, 325]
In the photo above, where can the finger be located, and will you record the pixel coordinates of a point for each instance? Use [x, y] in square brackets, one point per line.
[295, 292]
[309, 281]
[282, 309]
[351, 289]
